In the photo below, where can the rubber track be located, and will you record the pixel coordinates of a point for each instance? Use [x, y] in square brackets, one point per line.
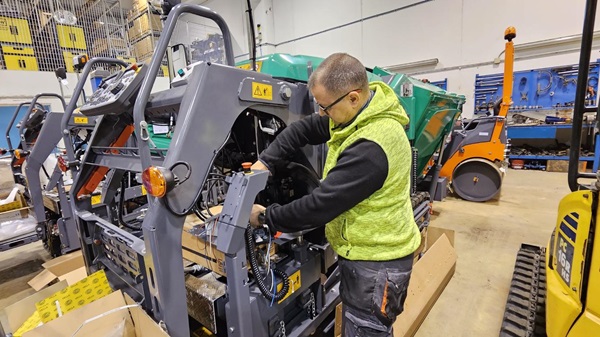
[525, 312]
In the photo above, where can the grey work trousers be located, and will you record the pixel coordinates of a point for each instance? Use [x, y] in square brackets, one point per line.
[373, 295]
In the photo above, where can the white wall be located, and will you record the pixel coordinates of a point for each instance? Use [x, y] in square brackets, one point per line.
[460, 33]
[457, 32]
[19, 86]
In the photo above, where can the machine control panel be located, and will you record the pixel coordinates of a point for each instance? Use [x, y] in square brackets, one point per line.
[116, 94]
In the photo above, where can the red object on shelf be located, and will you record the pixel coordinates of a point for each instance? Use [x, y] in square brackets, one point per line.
[517, 164]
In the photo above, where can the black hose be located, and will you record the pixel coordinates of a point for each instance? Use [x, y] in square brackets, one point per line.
[121, 207]
[252, 36]
[250, 248]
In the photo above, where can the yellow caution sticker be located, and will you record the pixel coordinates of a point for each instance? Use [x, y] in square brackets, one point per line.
[262, 91]
[80, 120]
[96, 199]
[248, 66]
[295, 284]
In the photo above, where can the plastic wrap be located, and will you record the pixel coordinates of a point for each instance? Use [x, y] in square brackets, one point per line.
[17, 228]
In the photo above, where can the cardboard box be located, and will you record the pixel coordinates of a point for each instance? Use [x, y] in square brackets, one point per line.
[103, 45]
[149, 22]
[144, 47]
[112, 315]
[133, 31]
[14, 315]
[201, 252]
[430, 275]
[69, 267]
[563, 166]
[15, 210]
[139, 5]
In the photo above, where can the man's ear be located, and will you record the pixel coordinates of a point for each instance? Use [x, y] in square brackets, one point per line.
[354, 97]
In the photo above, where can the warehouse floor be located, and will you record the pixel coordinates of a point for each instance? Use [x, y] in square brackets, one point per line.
[488, 236]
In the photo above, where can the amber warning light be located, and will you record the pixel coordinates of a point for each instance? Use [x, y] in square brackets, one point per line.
[158, 181]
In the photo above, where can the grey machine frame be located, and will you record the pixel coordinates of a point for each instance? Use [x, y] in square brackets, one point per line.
[207, 107]
[47, 141]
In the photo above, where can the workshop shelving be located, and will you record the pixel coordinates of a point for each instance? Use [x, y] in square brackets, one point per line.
[524, 133]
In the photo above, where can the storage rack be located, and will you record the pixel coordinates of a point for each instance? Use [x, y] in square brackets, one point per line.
[52, 32]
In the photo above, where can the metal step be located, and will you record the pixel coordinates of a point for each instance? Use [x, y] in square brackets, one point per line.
[525, 312]
[18, 242]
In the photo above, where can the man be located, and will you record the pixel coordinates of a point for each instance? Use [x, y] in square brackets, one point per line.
[364, 197]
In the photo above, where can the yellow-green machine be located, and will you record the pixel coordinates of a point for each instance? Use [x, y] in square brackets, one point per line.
[555, 290]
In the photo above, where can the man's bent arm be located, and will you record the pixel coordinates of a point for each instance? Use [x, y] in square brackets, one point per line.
[361, 170]
[311, 130]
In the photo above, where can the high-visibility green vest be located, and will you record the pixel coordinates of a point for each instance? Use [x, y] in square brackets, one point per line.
[381, 227]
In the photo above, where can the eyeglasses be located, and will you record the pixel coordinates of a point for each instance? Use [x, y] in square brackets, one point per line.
[325, 108]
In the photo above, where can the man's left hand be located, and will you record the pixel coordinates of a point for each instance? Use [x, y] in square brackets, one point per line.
[254, 215]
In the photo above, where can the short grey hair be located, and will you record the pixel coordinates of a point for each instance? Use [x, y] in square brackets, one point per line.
[340, 73]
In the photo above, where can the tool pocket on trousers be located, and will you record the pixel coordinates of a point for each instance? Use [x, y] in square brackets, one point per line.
[357, 284]
[390, 293]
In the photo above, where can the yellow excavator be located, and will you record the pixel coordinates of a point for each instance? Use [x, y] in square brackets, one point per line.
[555, 290]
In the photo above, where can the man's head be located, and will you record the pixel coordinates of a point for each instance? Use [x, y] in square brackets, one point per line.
[340, 87]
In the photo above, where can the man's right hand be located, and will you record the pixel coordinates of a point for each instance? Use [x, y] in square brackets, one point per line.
[259, 166]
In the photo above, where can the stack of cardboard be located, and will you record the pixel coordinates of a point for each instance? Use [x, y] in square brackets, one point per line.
[102, 45]
[77, 305]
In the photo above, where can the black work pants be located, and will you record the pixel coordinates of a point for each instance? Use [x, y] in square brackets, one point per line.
[373, 294]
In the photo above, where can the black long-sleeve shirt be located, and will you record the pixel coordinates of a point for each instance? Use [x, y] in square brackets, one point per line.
[361, 170]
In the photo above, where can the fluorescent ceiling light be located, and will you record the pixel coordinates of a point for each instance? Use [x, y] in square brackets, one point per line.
[398, 68]
[558, 41]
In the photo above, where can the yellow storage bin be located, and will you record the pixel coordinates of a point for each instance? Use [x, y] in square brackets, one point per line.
[71, 37]
[20, 62]
[14, 30]
[69, 61]
[78, 38]
[17, 50]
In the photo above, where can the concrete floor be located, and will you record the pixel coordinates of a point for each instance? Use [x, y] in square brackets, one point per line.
[488, 236]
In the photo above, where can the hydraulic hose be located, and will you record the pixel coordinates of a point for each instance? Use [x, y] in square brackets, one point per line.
[121, 207]
[250, 247]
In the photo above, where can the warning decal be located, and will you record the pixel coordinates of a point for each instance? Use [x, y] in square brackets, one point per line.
[248, 66]
[262, 91]
[80, 120]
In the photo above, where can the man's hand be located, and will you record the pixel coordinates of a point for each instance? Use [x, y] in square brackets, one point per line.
[254, 215]
[259, 166]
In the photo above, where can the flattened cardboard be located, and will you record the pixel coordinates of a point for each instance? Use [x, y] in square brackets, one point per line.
[133, 322]
[65, 263]
[430, 275]
[429, 278]
[41, 280]
[74, 276]
[59, 268]
[86, 291]
[14, 315]
[67, 324]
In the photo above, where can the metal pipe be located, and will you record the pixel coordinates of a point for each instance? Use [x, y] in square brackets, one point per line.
[579, 109]
[73, 102]
[161, 48]
[34, 102]
[11, 123]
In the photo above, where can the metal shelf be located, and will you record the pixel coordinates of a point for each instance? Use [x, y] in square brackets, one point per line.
[548, 131]
[534, 157]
